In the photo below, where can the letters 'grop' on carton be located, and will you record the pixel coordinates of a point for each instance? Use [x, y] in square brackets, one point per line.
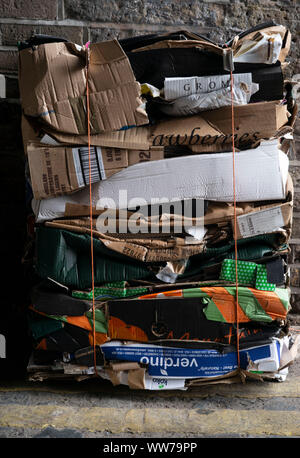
[252, 122]
[52, 79]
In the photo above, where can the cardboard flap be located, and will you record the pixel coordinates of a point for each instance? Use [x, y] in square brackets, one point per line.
[282, 30]
[184, 130]
[134, 138]
[250, 118]
[252, 122]
[183, 44]
[105, 52]
[109, 66]
[42, 68]
[52, 80]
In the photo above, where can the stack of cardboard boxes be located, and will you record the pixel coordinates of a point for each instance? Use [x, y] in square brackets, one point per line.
[149, 121]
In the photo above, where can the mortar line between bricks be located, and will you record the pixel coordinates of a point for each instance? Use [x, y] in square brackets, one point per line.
[60, 10]
[110, 25]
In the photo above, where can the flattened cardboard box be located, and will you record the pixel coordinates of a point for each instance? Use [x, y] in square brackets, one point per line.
[216, 213]
[136, 138]
[252, 122]
[265, 221]
[58, 170]
[176, 362]
[206, 133]
[52, 81]
[61, 170]
[142, 249]
[190, 177]
[211, 131]
[166, 321]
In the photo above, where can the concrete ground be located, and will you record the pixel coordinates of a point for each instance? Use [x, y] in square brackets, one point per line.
[96, 409]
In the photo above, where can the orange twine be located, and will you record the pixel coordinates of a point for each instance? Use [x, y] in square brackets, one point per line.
[235, 220]
[91, 205]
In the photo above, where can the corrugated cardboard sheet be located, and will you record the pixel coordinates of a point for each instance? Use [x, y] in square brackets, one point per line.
[58, 170]
[52, 80]
[214, 127]
[210, 131]
[206, 176]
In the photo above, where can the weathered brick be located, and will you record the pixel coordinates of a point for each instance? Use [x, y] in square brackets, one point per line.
[297, 124]
[12, 33]
[8, 61]
[247, 13]
[170, 12]
[296, 253]
[296, 206]
[30, 9]
[295, 276]
[105, 33]
[295, 303]
[74, 34]
[295, 174]
[296, 228]
[295, 151]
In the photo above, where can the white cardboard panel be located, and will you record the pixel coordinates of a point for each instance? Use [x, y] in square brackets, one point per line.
[261, 174]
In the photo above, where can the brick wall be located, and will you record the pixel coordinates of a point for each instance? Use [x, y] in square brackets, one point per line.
[97, 20]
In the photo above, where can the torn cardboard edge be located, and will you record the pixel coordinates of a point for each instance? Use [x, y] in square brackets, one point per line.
[237, 42]
[52, 81]
[175, 363]
[265, 221]
[217, 213]
[145, 249]
[136, 138]
[253, 122]
[274, 29]
[193, 40]
[211, 131]
[145, 254]
[188, 43]
[172, 180]
[135, 376]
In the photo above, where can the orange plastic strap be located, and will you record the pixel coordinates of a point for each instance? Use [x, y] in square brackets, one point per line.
[91, 204]
[235, 219]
